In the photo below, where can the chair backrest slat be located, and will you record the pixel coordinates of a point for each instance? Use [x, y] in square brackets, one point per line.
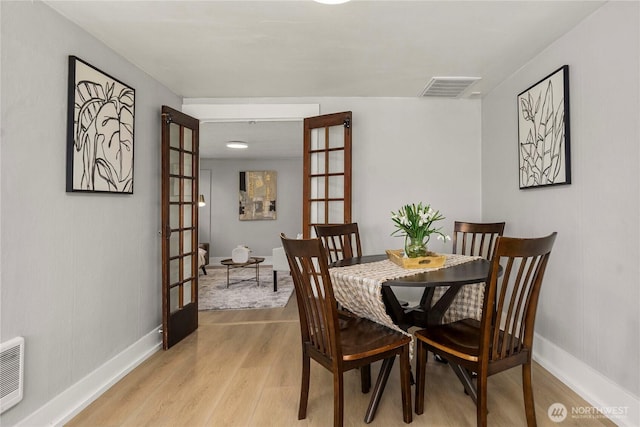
[512, 296]
[476, 239]
[340, 240]
[314, 293]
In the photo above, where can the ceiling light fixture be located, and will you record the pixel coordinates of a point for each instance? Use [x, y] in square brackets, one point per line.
[237, 144]
[331, 1]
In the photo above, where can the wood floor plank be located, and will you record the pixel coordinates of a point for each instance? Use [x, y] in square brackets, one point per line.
[242, 368]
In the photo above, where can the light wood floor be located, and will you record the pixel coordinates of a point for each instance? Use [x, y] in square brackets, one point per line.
[242, 368]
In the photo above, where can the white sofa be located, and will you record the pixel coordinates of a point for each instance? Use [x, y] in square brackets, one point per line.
[280, 263]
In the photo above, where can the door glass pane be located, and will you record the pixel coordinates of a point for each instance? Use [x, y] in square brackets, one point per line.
[174, 244]
[336, 161]
[317, 212]
[188, 139]
[174, 135]
[174, 301]
[336, 212]
[317, 188]
[187, 195]
[174, 216]
[336, 136]
[317, 139]
[188, 164]
[186, 220]
[186, 242]
[186, 293]
[317, 163]
[174, 162]
[336, 187]
[174, 271]
[174, 189]
[186, 272]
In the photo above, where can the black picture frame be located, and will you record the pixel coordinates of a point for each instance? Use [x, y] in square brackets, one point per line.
[543, 132]
[100, 131]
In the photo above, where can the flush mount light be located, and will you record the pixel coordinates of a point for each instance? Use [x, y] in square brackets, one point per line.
[331, 1]
[237, 144]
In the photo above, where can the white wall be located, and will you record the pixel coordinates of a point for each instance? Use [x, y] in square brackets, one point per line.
[80, 272]
[589, 303]
[227, 231]
[204, 212]
[410, 150]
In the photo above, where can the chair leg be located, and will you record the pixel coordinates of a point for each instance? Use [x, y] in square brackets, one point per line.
[338, 399]
[421, 365]
[481, 404]
[304, 388]
[365, 378]
[405, 383]
[528, 394]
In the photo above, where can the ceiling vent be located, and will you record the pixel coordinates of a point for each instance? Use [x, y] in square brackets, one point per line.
[448, 87]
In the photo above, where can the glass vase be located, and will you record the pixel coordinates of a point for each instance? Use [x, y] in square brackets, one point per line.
[415, 248]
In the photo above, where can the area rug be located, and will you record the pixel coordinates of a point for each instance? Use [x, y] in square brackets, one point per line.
[214, 295]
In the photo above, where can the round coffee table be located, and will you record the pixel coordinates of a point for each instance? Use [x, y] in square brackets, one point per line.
[253, 261]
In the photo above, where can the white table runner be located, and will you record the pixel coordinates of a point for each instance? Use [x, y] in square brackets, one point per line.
[358, 288]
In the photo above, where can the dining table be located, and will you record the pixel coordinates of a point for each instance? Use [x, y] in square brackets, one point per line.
[364, 286]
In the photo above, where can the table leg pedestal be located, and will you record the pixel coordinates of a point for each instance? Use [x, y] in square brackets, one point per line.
[258, 274]
[255, 262]
[381, 382]
[465, 379]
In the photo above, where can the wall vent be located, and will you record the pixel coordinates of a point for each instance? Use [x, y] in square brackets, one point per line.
[11, 372]
[448, 87]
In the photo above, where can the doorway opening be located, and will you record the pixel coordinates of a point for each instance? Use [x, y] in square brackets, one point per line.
[274, 133]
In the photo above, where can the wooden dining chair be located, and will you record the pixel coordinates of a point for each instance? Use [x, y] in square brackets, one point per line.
[338, 343]
[503, 338]
[475, 238]
[472, 239]
[340, 240]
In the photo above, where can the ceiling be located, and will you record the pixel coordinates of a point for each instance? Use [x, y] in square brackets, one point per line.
[266, 140]
[299, 48]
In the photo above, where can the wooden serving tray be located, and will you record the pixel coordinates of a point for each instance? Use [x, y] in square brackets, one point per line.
[397, 257]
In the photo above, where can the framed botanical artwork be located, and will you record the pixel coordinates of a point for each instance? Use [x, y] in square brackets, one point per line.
[258, 190]
[543, 132]
[100, 124]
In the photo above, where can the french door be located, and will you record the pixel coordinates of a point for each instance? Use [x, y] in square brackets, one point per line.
[327, 171]
[179, 226]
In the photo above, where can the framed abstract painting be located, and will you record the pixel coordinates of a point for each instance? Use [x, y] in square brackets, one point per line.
[543, 132]
[258, 190]
[100, 131]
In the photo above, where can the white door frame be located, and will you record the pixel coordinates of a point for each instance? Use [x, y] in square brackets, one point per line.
[210, 111]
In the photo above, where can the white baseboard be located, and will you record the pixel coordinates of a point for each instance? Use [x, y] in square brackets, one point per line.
[602, 393]
[70, 402]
